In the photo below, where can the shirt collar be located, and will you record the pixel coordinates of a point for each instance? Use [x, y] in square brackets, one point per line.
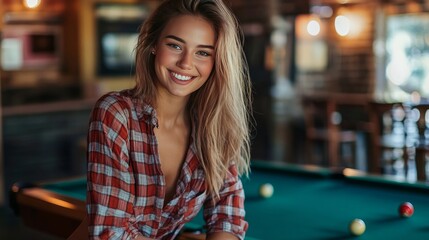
[144, 110]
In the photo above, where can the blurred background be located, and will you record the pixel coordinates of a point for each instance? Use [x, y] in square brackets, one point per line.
[337, 83]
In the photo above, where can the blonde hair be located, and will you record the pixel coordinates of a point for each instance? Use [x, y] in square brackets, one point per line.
[221, 109]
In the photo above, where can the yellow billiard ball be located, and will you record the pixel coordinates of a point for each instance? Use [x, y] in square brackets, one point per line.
[357, 227]
[266, 190]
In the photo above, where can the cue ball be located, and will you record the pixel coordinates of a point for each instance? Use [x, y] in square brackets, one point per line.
[406, 209]
[266, 190]
[357, 227]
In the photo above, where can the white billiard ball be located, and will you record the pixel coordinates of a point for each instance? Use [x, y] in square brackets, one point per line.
[266, 190]
[357, 227]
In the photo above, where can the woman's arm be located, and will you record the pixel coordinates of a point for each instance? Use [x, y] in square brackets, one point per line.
[110, 189]
[224, 216]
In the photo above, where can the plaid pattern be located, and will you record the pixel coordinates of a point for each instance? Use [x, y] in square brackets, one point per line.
[126, 187]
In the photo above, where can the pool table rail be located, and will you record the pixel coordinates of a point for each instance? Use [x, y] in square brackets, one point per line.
[46, 211]
[347, 174]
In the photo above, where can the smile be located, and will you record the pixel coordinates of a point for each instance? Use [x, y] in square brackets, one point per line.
[181, 77]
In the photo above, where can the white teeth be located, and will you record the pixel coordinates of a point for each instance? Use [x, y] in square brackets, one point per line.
[181, 77]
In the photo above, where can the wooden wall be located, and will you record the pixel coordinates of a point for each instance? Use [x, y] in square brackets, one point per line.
[352, 64]
[350, 59]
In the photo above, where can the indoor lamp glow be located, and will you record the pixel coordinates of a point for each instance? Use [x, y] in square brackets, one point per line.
[32, 3]
[342, 25]
[313, 28]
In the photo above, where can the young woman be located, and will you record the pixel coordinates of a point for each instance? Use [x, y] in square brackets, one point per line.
[179, 140]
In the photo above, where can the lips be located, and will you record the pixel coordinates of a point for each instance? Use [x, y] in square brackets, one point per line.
[181, 79]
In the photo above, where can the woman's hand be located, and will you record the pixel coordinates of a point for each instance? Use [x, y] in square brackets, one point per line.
[140, 237]
[221, 236]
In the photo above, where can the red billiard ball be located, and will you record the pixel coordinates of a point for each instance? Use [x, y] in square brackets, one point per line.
[406, 209]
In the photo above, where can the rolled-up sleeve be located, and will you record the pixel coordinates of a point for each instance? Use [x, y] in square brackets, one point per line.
[110, 189]
[226, 214]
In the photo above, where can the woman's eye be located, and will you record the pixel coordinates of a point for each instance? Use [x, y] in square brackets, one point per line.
[175, 46]
[204, 54]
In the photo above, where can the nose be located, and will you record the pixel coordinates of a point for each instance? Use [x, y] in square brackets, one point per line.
[185, 61]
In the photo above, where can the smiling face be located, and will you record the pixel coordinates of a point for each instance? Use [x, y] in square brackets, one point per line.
[184, 55]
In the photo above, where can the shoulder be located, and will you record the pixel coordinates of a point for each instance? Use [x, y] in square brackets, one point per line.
[115, 100]
[118, 105]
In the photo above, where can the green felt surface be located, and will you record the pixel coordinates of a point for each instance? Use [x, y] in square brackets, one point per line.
[318, 204]
[312, 203]
[75, 188]
[321, 208]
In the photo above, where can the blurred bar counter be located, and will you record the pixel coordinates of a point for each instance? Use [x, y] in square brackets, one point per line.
[45, 141]
[57, 106]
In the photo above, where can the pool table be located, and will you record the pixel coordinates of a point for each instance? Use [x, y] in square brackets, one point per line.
[308, 203]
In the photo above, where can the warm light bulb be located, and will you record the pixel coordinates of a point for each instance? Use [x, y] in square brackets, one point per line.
[342, 25]
[32, 3]
[313, 28]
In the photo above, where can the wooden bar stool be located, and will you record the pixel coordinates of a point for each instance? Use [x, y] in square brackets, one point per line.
[323, 125]
[387, 134]
[418, 133]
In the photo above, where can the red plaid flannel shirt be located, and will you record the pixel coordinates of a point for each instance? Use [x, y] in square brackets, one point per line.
[126, 187]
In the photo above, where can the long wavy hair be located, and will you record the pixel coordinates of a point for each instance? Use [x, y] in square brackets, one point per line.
[221, 109]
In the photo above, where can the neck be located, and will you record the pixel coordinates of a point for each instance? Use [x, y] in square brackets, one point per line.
[171, 111]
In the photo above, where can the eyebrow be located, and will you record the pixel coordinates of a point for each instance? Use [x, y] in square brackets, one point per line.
[183, 41]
